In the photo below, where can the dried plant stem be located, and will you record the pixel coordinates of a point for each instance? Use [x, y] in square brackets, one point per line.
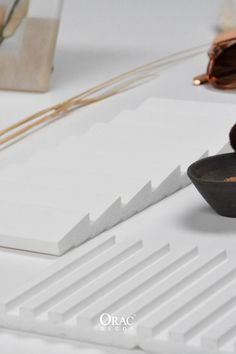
[96, 94]
[54, 114]
[16, 18]
[16, 2]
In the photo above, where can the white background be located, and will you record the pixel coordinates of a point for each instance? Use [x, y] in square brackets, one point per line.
[99, 39]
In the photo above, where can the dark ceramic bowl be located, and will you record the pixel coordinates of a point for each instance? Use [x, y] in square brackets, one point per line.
[208, 176]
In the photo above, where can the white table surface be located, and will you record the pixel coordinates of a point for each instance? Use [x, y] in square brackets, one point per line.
[97, 40]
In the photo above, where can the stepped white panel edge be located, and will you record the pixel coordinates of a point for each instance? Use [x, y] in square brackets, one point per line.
[182, 298]
[65, 195]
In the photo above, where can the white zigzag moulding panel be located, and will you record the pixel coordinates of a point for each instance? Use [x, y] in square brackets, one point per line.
[68, 194]
[177, 298]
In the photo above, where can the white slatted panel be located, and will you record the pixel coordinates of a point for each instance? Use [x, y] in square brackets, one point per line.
[182, 297]
[68, 194]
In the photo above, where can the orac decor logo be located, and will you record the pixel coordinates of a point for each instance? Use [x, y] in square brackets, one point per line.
[110, 322]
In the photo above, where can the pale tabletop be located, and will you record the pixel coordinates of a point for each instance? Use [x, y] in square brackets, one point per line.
[97, 40]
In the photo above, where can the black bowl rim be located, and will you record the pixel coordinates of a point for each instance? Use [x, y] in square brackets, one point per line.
[205, 180]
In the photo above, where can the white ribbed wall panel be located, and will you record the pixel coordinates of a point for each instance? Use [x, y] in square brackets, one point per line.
[183, 297]
[65, 195]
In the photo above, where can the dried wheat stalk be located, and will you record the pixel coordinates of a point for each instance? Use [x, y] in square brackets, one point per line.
[96, 94]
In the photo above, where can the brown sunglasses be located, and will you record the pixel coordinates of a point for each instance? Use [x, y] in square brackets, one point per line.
[221, 70]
